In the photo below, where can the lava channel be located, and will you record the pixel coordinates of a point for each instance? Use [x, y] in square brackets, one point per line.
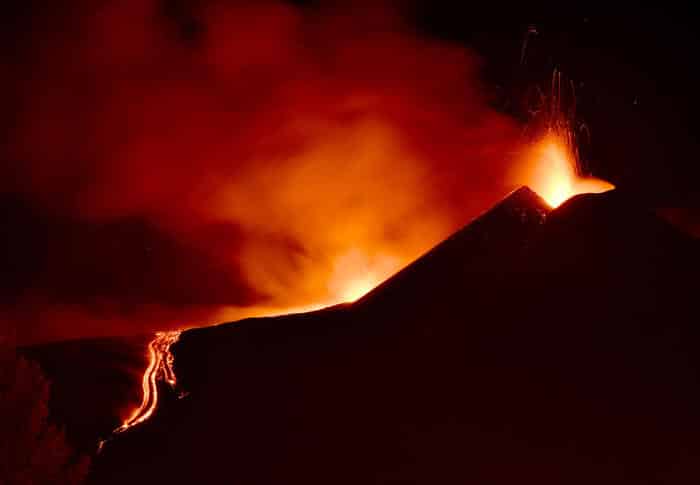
[160, 368]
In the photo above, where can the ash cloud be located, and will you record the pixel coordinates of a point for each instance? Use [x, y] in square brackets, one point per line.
[199, 155]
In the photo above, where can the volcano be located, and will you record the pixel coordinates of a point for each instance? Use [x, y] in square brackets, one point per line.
[536, 345]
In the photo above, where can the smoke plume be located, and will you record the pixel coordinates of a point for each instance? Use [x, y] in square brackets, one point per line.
[177, 162]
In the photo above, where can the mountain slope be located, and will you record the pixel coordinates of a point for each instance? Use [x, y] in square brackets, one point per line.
[555, 352]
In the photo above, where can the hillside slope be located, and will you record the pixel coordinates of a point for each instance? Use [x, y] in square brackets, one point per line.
[524, 348]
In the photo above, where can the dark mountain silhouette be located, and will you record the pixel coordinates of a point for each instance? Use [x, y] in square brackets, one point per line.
[472, 259]
[531, 346]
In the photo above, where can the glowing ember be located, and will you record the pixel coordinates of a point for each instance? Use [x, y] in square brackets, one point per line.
[160, 367]
[552, 172]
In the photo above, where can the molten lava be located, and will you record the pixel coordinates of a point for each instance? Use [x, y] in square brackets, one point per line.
[160, 367]
[552, 172]
[551, 164]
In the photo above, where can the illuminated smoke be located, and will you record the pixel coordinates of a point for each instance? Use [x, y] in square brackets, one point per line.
[309, 152]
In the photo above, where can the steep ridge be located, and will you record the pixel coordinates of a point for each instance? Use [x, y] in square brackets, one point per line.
[557, 350]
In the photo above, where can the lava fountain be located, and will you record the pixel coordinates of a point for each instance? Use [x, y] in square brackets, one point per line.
[551, 165]
[554, 175]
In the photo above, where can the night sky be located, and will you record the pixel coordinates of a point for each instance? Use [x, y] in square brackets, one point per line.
[108, 228]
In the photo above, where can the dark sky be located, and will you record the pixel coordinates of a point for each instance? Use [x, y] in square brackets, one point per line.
[635, 70]
[635, 81]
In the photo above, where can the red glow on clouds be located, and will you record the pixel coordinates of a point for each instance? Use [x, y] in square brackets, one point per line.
[306, 153]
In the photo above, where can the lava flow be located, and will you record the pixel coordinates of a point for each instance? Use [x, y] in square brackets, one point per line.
[160, 367]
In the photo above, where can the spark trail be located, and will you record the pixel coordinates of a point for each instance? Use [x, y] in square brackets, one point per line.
[160, 367]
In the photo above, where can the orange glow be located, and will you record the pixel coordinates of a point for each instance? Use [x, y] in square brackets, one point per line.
[551, 172]
[160, 367]
[286, 163]
[358, 288]
[355, 274]
[359, 216]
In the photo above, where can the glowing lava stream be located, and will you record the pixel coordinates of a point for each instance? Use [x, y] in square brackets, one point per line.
[160, 367]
